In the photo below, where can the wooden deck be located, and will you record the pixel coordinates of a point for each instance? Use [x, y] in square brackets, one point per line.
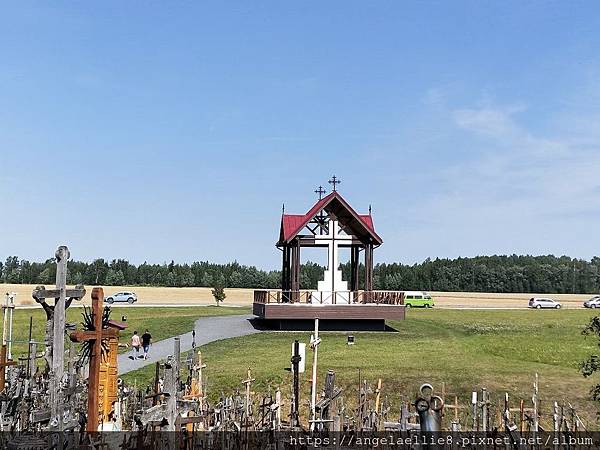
[308, 305]
[303, 311]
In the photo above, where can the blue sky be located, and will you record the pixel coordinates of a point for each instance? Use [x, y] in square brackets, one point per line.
[157, 131]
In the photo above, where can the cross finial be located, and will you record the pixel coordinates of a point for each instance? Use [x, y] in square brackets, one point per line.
[320, 191]
[334, 180]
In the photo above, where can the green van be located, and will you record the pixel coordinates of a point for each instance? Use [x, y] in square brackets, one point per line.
[417, 298]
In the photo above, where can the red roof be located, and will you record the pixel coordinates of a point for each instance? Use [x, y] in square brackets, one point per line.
[292, 224]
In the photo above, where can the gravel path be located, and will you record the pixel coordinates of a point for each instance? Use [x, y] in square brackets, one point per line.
[208, 329]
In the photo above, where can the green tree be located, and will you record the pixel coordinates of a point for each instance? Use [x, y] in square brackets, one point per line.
[115, 278]
[218, 293]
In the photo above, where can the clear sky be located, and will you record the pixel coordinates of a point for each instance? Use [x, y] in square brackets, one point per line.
[176, 130]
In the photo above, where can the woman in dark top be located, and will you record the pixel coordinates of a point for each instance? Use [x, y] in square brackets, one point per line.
[146, 341]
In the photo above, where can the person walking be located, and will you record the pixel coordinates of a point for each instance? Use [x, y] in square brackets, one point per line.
[146, 342]
[135, 345]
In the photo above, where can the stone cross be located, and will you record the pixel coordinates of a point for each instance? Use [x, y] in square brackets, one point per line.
[95, 337]
[332, 276]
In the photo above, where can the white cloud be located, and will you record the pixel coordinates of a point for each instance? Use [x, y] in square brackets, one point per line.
[516, 191]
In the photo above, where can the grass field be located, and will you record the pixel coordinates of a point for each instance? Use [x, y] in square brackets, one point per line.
[162, 322]
[244, 297]
[465, 350]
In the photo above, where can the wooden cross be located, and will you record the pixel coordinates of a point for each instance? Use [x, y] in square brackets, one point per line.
[95, 337]
[334, 181]
[248, 382]
[55, 329]
[3, 364]
[320, 191]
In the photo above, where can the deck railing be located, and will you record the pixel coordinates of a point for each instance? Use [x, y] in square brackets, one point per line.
[332, 298]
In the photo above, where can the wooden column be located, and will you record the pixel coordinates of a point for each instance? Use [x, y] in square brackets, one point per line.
[354, 263]
[369, 267]
[4, 363]
[295, 270]
[285, 269]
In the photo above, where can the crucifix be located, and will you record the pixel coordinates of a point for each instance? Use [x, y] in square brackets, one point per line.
[320, 191]
[94, 337]
[334, 181]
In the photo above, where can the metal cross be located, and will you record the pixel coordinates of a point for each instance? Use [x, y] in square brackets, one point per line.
[334, 180]
[320, 191]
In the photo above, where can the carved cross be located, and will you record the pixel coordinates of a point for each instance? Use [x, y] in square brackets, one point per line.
[94, 336]
[55, 328]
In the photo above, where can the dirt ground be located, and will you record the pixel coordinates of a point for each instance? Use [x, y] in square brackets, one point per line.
[243, 297]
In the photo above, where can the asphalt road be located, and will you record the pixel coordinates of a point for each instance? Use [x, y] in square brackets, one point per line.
[208, 329]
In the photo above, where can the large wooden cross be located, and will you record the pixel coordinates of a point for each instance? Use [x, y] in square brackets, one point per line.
[95, 337]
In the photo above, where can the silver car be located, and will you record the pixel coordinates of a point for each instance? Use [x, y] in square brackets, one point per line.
[128, 297]
[542, 302]
[593, 302]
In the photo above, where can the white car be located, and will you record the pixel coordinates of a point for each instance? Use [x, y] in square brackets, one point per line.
[128, 297]
[543, 302]
[593, 302]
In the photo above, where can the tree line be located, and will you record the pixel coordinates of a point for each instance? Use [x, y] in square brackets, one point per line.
[543, 274]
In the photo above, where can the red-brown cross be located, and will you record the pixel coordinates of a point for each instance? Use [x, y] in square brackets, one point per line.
[95, 338]
[3, 364]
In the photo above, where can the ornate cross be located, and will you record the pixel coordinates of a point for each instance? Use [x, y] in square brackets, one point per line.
[334, 181]
[95, 337]
[320, 191]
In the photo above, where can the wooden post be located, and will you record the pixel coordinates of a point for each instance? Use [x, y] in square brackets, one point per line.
[58, 343]
[296, 386]
[354, 264]
[315, 341]
[247, 382]
[3, 364]
[368, 269]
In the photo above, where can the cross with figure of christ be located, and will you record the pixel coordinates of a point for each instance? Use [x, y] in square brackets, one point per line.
[95, 337]
[334, 180]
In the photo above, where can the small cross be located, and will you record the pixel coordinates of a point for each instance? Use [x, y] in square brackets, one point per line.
[334, 180]
[320, 191]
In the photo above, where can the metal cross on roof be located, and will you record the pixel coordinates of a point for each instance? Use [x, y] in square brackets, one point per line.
[320, 191]
[334, 180]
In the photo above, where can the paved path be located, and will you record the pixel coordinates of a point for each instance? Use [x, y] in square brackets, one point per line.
[208, 329]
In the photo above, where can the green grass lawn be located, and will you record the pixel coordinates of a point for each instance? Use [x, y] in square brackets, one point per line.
[162, 322]
[464, 349]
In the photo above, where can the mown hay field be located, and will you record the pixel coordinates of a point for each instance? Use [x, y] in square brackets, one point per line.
[243, 297]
